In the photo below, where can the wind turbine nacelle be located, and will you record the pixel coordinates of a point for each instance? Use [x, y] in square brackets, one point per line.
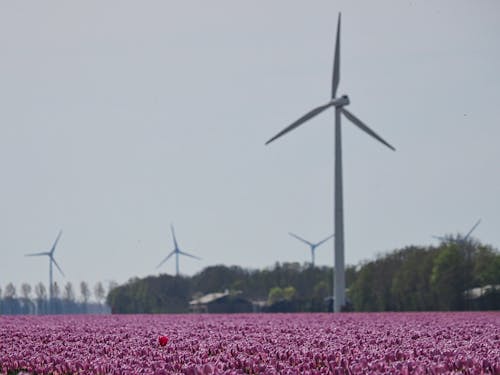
[340, 102]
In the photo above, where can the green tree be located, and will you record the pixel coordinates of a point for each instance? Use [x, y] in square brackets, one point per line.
[448, 278]
[486, 266]
[275, 295]
[410, 287]
[362, 292]
[289, 293]
[321, 289]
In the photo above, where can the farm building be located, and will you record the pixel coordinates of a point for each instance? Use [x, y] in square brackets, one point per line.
[225, 302]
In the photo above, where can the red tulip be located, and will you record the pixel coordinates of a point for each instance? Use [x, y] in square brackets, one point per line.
[163, 340]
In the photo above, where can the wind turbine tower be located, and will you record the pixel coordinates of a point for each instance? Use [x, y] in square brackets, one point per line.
[339, 103]
[313, 246]
[177, 252]
[52, 260]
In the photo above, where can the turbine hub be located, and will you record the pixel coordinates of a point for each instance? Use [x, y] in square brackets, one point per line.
[345, 100]
[340, 102]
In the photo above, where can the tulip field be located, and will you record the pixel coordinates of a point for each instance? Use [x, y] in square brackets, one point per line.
[348, 343]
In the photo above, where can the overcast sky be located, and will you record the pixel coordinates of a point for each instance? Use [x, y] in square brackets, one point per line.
[118, 118]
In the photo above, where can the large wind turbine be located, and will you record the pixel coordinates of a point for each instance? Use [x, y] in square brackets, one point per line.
[339, 103]
[313, 246]
[176, 251]
[52, 260]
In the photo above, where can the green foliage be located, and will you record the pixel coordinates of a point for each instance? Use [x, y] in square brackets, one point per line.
[410, 286]
[448, 278]
[321, 289]
[275, 295]
[486, 267]
[410, 279]
[289, 293]
[163, 294]
[428, 278]
[362, 292]
[168, 294]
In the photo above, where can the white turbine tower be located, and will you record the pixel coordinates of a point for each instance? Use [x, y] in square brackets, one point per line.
[176, 251]
[313, 246]
[52, 260]
[339, 103]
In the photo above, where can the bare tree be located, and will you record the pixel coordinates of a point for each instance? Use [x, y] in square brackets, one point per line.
[27, 305]
[0, 292]
[99, 292]
[10, 291]
[69, 294]
[41, 299]
[56, 291]
[40, 291]
[26, 290]
[85, 292]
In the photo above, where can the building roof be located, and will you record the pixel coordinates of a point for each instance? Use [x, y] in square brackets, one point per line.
[207, 298]
[480, 291]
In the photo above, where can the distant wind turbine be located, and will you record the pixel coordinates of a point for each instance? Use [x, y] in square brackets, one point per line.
[52, 260]
[176, 251]
[459, 239]
[339, 103]
[313, 246]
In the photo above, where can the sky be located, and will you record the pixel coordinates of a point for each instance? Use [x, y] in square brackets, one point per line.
[119, 118]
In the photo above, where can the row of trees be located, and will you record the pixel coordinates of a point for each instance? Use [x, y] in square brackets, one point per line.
[447, 277]
[307, 286]
[457, 275]
[36, 300]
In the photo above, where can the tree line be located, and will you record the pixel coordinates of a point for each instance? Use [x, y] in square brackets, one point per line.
[36, 300]
[456, 275]
[307, 286]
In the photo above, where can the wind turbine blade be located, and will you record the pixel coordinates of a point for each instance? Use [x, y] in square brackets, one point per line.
[474, 227]
[166, 258]
[440, 238]
[362, 126]
[300, 238]
[57, 265]
[37, 254]
[189, 255]
[323, 241]
[336, 63]
[55, 243]
[300, 121]
[173, 236]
